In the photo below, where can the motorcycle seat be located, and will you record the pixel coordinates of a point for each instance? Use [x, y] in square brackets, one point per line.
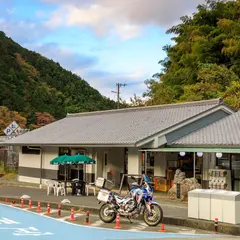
[119, 199]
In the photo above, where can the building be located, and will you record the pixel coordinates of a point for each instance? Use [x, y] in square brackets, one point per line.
[221, 137]
[121, 141]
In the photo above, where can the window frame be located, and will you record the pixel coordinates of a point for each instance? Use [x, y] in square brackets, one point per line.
[27, 151]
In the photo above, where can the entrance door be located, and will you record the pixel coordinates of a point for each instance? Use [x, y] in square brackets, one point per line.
[235, 166]
[77, 171]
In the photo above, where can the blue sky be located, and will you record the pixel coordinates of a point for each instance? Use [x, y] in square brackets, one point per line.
[103, 41]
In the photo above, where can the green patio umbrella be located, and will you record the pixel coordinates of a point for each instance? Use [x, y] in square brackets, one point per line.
[71, 160]
[58, 160]
[78, 159]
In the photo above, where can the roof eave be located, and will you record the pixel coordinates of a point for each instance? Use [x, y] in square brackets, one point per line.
[203, 145]
[70, 144]
[221, 106]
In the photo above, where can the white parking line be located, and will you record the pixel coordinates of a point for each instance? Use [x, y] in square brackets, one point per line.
[67, 217]
[187, 231]
[138, 228]
[52, 211]
[97, 223]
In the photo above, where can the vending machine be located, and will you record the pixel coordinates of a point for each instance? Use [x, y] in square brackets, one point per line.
[220, 179]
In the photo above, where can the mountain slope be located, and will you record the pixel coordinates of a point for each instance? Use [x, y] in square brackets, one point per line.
[32, 83]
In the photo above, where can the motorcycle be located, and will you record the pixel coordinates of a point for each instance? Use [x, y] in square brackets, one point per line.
[139, 201]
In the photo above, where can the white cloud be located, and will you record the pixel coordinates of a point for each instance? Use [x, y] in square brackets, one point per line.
[65, 57]
[106, 81]
[124, 17]
[23, 31]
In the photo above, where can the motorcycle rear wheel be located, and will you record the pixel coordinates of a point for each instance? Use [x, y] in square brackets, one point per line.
[156, 218]
[104, 215]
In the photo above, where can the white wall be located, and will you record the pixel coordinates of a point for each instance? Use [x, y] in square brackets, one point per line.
[31, 180]
[49, 153]
[134, 161]
[34, 160]
[29, 160]
[115, 161]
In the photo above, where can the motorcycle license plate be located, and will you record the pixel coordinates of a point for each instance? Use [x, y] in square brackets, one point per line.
[103, 196]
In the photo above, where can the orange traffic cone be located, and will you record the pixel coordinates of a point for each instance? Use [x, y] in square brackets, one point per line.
[22, 203]
[117, 226]
[39, 207]
[72, 217]
[162, 228]
[30, 204]
[48, 209]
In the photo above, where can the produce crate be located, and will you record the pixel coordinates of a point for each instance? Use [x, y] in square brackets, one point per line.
[160, 184]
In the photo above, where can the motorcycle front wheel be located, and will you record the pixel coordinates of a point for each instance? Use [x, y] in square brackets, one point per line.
[106, 214]
[155, 217]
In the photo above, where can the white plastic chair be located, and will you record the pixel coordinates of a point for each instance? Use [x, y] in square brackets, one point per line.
[68, 187]
[51, 186]
[75, 180]
[61, 188]
[90, 186]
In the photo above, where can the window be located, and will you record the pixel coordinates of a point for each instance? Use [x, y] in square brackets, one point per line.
[224, 161]
[26, 150]
[63, 151]
[105, 158]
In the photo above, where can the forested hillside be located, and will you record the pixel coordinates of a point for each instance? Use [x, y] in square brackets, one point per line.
[204, 62]
[36, 86]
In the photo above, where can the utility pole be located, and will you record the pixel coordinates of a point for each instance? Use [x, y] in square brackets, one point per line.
[119, 85]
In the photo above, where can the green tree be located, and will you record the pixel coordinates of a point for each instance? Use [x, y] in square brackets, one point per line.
[205, 59]
[201, 91]
[232, 95]
[31, 83]
[213, 73]
[7, 117]
[137, 101]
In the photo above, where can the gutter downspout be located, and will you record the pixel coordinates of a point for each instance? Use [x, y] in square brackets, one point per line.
[41, 161]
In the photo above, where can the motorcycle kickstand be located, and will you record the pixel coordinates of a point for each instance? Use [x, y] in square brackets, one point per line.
[129, 219]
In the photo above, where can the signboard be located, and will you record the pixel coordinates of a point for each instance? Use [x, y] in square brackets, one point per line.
[8, 131]
[13, 129]
[178, 190]
[13, 126]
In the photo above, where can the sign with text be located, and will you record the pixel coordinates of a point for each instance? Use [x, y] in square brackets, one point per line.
[8, 131]
[13, 129]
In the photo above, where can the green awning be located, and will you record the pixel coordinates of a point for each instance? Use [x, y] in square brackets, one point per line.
[194, 149]
[74, 159]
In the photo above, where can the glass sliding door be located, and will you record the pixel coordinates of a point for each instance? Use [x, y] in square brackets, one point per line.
[235, 166]
[224, 161]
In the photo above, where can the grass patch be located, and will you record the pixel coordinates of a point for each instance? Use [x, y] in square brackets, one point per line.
[2, 171]
[9, 176]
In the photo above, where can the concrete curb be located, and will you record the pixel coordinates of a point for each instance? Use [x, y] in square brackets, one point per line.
[186, 222]
[5, 184]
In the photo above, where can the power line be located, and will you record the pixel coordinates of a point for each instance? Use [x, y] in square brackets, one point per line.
[119, 85]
